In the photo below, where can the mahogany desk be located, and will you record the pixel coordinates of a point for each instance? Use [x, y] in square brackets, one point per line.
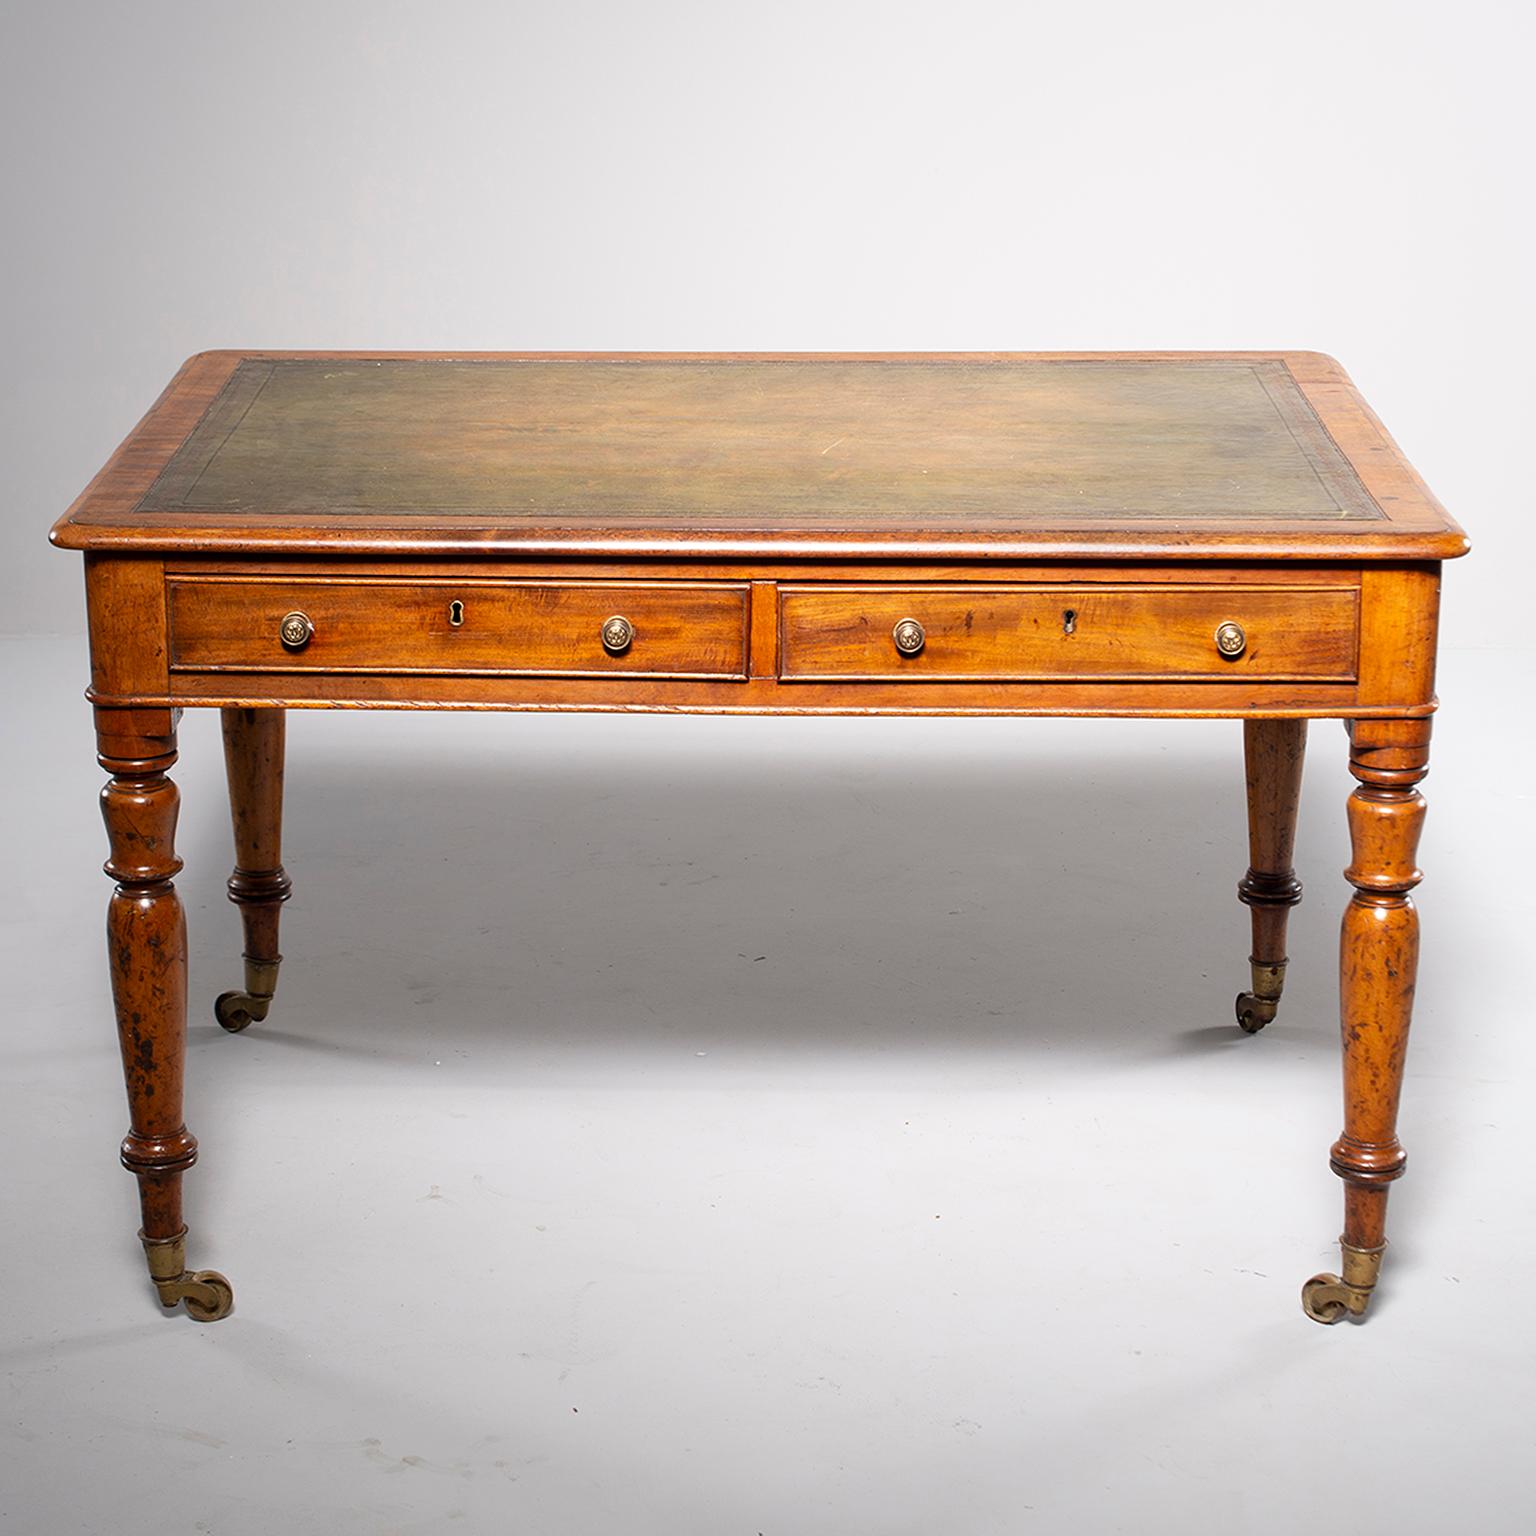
[1179, 534]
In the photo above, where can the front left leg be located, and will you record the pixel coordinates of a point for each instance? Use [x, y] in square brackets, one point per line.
[147, 951]
[1378, 966]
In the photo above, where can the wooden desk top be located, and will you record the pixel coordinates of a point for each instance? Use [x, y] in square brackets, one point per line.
[1006, 456]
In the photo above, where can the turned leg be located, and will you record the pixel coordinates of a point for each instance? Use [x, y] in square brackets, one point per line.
[147, 950]
[253, 760]
[1273, 751]
[1378, 961]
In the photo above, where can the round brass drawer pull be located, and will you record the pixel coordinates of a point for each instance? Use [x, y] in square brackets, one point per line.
[909, 637]
[296, 631]
[618, 635]
[1230, 639]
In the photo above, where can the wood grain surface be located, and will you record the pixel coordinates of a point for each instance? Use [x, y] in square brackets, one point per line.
[1066, 632]
[1107, 455]
[681, 629]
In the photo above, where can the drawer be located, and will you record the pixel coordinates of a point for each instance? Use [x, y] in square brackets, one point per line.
[675, 629]
[1081, 632]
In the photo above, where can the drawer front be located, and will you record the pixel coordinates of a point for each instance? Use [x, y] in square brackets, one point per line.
[1084, 633]
[676, 629]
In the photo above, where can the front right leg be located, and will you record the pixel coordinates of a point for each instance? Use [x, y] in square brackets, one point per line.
[1378, 966]
[147, 952]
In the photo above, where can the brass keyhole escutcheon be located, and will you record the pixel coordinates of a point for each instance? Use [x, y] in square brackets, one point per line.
[618, 635]
[1230, 640]
[909, 637]
[1069, 621]
[455, 613]
[295, 631]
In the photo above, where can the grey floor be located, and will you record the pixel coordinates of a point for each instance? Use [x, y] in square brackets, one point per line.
[740, 1126]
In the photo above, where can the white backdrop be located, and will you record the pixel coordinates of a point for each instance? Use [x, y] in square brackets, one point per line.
[700, 1126]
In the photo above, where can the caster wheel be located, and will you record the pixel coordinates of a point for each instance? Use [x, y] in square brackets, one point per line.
[234, 1011]
[209, 1296]
[1254, 1012]
[1321, 1299]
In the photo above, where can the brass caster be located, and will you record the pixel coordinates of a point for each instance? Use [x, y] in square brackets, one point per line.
[1325, 1299]
[207, 1296]
[1253, 1012]
[236, 1010]
[1257, 1008]
[205, 1293]
[1328, 1298]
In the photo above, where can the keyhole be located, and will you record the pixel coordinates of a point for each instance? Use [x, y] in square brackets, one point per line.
[455, 613]
[1068, 621]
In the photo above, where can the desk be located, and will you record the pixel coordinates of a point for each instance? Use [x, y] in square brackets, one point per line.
[1136, 534]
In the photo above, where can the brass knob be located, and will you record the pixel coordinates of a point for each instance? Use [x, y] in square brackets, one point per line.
[618, 635]
[1230, 639]
[296, 631]
[909, 637]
